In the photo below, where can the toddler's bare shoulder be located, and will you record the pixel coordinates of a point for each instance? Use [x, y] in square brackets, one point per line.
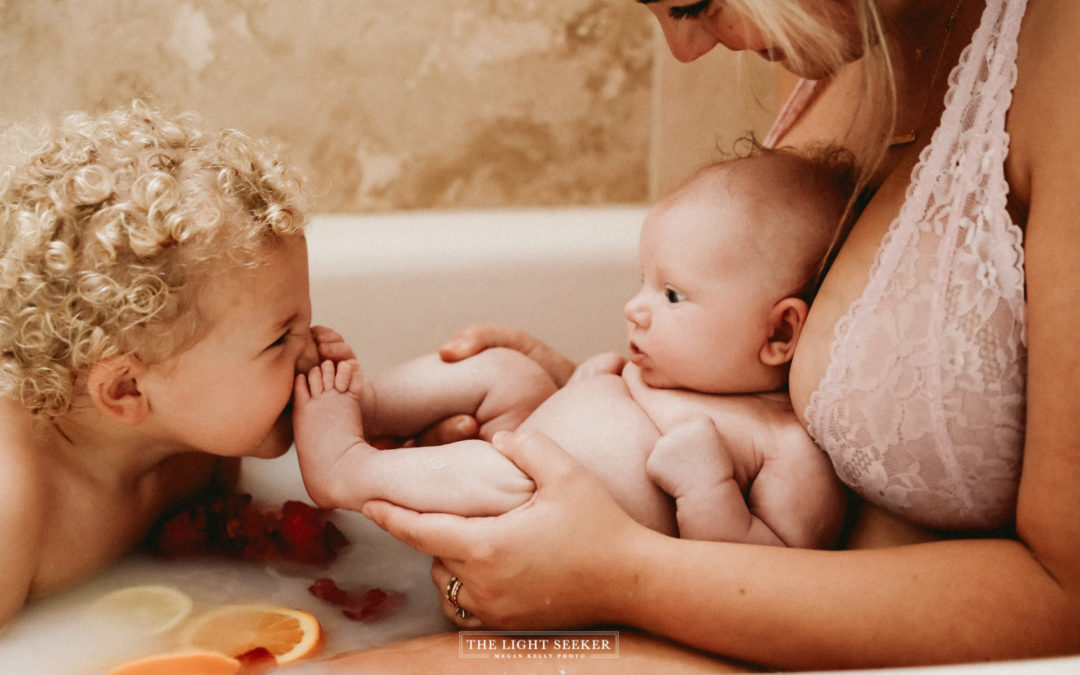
[23, 503]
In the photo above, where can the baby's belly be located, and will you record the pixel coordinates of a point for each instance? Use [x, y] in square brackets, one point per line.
[597, 421]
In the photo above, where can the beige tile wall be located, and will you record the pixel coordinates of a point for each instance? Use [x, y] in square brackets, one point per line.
[398, 104]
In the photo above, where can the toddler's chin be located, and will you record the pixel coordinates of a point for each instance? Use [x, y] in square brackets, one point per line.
[278, 441]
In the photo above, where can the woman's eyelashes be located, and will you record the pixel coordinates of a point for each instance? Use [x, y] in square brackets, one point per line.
[689, 11]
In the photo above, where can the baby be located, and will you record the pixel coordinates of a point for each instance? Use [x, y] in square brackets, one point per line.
[154, 311]
[698, 414]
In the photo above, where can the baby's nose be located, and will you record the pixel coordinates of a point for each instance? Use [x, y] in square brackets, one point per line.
[636, 311]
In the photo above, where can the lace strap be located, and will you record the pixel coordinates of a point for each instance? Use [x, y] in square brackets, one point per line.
[804, 92]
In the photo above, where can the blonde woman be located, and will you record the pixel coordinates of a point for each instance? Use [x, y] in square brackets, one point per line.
[937, 369]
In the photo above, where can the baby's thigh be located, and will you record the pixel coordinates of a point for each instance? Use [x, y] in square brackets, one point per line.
[597, 422]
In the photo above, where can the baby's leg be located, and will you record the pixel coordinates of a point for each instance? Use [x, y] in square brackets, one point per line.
[693, 464]
[340, 469]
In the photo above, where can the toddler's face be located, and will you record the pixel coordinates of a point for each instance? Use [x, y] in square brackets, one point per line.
[229, 393]
[700, 318]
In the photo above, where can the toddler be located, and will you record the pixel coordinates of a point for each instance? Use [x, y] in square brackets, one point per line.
[698, 413]
[154, 310]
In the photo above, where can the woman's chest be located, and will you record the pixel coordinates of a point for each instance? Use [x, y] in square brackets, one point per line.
[844, 284]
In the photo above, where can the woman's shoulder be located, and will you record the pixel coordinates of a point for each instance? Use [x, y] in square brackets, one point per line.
[1042, 119]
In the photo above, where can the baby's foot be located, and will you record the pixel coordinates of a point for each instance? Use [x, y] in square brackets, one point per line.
[326, 411]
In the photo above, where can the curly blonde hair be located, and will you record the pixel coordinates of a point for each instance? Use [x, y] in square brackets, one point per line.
[108, 227]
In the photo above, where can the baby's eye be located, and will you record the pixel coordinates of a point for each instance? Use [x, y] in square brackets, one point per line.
[673, 296]
[689, 11]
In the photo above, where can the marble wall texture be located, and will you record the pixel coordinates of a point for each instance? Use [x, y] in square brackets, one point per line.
[401, 104]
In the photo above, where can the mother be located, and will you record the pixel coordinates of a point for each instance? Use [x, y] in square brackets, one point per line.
[948, 317]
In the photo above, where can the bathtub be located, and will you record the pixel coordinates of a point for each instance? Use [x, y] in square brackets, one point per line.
[395, 285]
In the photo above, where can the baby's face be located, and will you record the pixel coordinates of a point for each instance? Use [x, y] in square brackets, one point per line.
[228, 394]
[700, 318]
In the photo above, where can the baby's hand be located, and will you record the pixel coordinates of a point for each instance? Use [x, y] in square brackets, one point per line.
[608, 363]
[331, 345]
[691, 454]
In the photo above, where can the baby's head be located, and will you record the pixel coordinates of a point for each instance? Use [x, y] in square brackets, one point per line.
[729, 265]
[112, 229]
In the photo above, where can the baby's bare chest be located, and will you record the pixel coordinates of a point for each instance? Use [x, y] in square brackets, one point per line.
[592, 413]
[597, 421]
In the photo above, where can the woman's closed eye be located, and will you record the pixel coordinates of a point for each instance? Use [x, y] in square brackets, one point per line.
[689, 11]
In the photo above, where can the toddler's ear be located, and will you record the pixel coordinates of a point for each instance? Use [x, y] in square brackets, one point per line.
[113, 386]
[786, 321]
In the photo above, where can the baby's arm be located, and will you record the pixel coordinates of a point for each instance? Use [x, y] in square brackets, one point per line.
[787, 494]
[340, 469]
[694, 465]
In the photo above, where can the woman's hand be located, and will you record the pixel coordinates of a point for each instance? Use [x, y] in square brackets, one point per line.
[556, 561]
[331, 346]
[607, 363]
[474, 339]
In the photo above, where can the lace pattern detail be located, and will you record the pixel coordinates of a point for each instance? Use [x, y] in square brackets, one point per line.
[921, 408]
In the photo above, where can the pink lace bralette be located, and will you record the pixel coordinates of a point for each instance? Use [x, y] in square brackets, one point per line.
[921, 408]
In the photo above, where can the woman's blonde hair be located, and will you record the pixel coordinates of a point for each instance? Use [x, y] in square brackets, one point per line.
[108, 227]
[818, 41]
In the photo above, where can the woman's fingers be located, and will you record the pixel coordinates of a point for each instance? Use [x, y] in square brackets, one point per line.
[474, 339]
[331, 345]
[441, 534]
[455, 537]
[537, 455]
[455, 596]
[450, 430]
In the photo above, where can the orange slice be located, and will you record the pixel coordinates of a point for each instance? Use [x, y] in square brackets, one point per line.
[235, 630]
[180, 663]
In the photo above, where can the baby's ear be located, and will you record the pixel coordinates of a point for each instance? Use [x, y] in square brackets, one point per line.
[786, 319]
[113, 385]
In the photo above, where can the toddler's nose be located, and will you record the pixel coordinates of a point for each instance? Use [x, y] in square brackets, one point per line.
[309, 357]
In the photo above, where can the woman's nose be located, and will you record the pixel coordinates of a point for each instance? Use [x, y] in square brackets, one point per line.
[687, 39]
[637, 312]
